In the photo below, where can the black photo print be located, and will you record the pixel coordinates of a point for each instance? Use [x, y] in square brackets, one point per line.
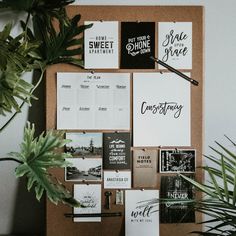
[176, 188]
[137, 45]
[172, 161]
[116, 151]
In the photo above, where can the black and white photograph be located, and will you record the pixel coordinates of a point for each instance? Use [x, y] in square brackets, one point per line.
[175, 187]
[182, 161]
[87, 145]
[84, 169]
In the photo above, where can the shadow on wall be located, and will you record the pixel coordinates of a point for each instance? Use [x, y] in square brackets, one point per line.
[29, 214]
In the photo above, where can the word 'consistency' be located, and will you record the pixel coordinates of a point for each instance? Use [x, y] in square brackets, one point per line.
[162, 108]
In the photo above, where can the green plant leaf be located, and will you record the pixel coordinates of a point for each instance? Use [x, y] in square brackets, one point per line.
[60, 47]
[38, 155]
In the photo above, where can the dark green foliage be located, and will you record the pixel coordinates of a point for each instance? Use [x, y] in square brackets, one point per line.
[219, 200]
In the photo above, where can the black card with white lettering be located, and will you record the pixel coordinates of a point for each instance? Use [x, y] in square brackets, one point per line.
[176, 188]
[116, 154]
[137, 45]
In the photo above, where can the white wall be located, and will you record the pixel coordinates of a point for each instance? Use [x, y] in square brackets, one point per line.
[220, 112]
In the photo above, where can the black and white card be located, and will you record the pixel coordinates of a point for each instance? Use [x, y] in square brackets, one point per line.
[87, 145]
[89, 197]
[172, 161]
[176, 188]
[116, 151]
[175, 44]
[101, 45]
[84, 169]
[137, 45]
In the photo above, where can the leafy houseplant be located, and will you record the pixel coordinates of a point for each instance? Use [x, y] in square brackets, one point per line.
[219, 201]
[36, 49]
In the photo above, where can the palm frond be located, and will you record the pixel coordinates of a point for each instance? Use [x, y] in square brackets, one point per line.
[220, 194]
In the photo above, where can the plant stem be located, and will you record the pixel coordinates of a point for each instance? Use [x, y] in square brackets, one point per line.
[11, 159]
[22, 104]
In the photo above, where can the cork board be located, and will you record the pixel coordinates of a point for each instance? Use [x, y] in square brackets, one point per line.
[56, 223]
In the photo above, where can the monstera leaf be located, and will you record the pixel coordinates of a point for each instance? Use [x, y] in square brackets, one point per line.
[37, 156]
[12, 87]
[60, 47]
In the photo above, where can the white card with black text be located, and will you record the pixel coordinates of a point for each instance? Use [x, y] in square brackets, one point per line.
[90, 197]
[117, 179]
[98, 101]
[175, 44]
[101, 45]
[141, 212]
[161, 110]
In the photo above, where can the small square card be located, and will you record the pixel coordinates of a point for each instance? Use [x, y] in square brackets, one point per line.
[116, 151]
[101, 45]
[175, 44]
[90, 197]
[117, 179]
[172, 161]
[137, 45]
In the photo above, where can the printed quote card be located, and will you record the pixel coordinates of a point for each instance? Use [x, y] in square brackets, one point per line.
[172, 161]
[161, 110]
[116, 153]
[175, 44]
[90, 197]
[137, 45]
[97, 101]
[141, 212]
[176, 188]
[144, 168]
[101, 45]
[117, 179]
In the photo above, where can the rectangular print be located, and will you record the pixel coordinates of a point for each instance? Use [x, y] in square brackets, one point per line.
[88, 145]
[117, 179]
[176, 188]
[116, 151]
[99, 101]
[137, 45]
[161, 112]
[144, 168]
[84, 169]
[101, 45]
[172, 161]
[89, 197]
[142, 212]
[175, 44]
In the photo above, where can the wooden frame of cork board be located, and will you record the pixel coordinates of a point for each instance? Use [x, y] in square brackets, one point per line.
[56, 223]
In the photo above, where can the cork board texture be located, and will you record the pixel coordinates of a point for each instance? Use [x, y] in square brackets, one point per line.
[56, 223]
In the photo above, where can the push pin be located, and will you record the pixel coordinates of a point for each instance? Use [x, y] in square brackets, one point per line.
[108, 199]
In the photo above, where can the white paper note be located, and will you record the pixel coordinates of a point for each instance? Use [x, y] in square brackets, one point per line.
[117, 180]
[93, 101]
[101, 45]
[175, 44]
[141, 213]
[90, 197]
[161, 110]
